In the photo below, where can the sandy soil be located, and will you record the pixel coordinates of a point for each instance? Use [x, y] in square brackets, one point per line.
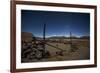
[79, 51]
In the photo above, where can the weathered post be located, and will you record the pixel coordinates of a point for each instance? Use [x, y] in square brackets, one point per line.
[44, 28]
[71, 40]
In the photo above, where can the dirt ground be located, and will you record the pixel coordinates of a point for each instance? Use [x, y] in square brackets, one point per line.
[78, 50]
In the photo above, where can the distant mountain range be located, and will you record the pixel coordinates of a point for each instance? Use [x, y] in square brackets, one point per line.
[63, 37]
[30, 35]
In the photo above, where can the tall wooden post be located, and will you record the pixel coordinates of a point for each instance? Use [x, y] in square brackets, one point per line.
[44, 28]
[71, 39]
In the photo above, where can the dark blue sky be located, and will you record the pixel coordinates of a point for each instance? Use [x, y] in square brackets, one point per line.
[57, 23]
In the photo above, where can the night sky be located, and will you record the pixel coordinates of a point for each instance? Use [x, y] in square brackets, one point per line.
[57, 23]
